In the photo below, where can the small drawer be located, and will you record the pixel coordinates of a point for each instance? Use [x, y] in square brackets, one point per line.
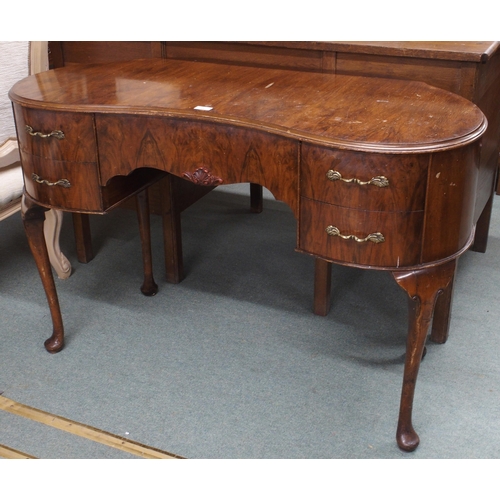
[55, 135]
[65, 185]
[364, 181]
[399, 235]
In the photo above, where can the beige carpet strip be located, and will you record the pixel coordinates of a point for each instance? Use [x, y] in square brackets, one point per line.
[82, 430]
[6, 452]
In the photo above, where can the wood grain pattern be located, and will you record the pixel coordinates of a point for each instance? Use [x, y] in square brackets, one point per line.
[450, 202]
[406, 175]
[402, 232]
[423, 287]
[83, 194]
[344, 111]
[283, 130]
[467, 68]
[6, 452]
[78, 145]
[230, 153]
[84, 431]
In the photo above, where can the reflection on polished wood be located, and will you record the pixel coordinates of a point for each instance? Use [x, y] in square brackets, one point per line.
[127, 125]
[467, 68]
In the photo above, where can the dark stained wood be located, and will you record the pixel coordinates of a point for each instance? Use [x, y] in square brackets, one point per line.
[442, 314]
[252, 55]
[233, 154]
[101, 52]
[148, 287]
[33, 218]
[256, 198]
[459, 51]
[422, 287]
[322, 286]
[79, 190]
[367, 113]
[171, 217]
[83, 237]
[77, 145]
[269, 128]
[403, 190]
[468, 68]
[402, 232]
[450, 185]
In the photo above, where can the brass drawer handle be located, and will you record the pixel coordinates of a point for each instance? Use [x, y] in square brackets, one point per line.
[374, 237]
[379, 180]
[58, 134]
[62, 182]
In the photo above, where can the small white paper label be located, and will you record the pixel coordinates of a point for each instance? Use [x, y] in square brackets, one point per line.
[204, 108]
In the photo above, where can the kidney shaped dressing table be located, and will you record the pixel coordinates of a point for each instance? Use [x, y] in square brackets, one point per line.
[380, 174]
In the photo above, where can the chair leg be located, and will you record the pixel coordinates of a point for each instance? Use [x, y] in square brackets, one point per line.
[52, 231]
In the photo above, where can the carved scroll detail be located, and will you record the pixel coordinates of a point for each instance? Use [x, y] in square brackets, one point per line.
[203, 177]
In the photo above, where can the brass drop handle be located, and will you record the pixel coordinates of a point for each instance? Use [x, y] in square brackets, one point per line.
[58, 134]
[373, 237]
[379, 180]
[62, 182]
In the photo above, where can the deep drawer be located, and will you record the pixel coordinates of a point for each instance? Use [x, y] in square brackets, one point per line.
[66, 185]
[56, 135]
[401, 234]
[377, 181]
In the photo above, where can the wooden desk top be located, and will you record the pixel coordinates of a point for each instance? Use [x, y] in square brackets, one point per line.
[364, 114]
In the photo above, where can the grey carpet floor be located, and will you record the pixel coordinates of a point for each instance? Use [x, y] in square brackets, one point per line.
[232, 363]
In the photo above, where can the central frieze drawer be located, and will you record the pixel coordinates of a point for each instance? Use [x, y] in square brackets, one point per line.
[401, 233]
[57, 136]
[229, 154]
[364, 181]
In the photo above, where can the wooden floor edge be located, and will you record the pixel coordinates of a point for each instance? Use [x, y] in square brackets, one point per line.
[6, 452]
[82, 430]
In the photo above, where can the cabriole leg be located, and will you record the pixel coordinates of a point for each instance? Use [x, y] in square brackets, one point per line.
[33, 219]
[422, 287]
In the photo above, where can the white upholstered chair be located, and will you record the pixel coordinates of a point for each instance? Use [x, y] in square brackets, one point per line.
[17, 60]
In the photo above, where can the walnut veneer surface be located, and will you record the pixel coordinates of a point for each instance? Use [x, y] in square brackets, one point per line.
[380, 173]
[470, 69]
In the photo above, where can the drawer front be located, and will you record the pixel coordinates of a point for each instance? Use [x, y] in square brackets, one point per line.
[56, 135]
[401, 233]
[65, 185]
[364, 181]
[203, 153]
